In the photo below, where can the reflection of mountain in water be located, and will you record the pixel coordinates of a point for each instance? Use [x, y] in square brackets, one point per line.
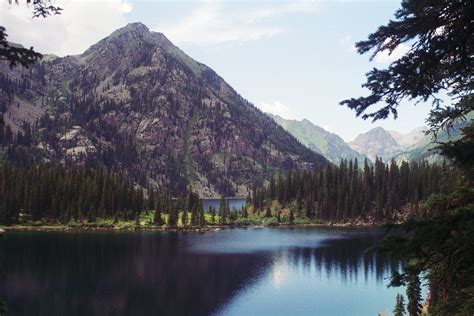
[147, 273]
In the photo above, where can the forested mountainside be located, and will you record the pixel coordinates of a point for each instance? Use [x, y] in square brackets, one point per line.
[330, 145]
[136, 103]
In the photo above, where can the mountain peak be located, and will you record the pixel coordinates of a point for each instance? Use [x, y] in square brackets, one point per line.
[316, 138]
[377, 142]
[137, 28]
[378, 131]
[146, 108]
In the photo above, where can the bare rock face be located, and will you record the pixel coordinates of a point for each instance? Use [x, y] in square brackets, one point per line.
[137, 103]
[377, 143]
[415, 138]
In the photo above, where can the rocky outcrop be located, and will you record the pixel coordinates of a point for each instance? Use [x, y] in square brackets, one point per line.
[377, 143]
[137, 103]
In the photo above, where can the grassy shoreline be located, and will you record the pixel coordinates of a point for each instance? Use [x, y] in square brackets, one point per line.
[208, 228]
[145, 223]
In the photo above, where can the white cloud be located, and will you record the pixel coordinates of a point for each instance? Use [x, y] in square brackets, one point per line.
[384, 57]
[277, 108]
[81, 24]
[212, 23]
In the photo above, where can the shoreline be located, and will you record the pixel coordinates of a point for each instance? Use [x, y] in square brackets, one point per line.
[210, 228]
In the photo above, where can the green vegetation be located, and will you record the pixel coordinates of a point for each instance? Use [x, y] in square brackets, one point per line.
[62, 194]
[438, 245]
[399, 309]
[96, 198]
[65, 87]
[376, 194]
[146, 220]
[331, 146]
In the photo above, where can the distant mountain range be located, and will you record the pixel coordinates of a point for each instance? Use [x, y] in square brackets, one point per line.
[412, 139]
[415, 145]
[424, 148]
[134, 102]
[377, 142]
[316, 138]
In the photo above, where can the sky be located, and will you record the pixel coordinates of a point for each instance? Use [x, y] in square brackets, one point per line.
[291, 58]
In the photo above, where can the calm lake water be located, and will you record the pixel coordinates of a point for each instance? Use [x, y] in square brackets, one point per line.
[261, 271]
[234, 204]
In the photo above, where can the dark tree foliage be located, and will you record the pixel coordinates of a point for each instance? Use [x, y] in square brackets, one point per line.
[157, 219]
[60, 193]
[461, 151]
[440, 246]
[413, 291]
[173, 214]
[194, 205]
[18, 55]
[441, 59]
[223, 211]
[399, 309]
[14, 54]
[381, 192]
[184, 217]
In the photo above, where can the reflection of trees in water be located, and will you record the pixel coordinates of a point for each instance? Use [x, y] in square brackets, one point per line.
[143, 274]
[80, 274]
[347, 259]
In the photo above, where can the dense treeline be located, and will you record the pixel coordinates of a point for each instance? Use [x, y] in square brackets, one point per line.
[335, 193]
[345, 192]
[59, 193]
[81, 193]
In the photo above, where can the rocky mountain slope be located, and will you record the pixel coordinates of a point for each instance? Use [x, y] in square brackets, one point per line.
[414, 145]
[137, 103]
[425, 147]
[377, 143]
[330, 145]
[414, 138]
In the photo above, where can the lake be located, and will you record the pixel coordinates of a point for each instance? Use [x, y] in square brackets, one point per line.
[259, 271]
[234, 204]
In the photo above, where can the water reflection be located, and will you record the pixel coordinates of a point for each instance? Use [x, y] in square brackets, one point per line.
[229, 272]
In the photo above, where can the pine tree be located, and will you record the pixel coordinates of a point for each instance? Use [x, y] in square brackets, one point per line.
[202, 218]
[413, 291]
[248, 200]
[212, 210]
[268, 212]
[184, 218]
[399, 309]
[223, 210]
[173, 216]
[271, 190]
[292, 217]
[244, 211]
[157, 220]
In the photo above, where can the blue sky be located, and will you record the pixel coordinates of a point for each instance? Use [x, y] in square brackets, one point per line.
[295, 59]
